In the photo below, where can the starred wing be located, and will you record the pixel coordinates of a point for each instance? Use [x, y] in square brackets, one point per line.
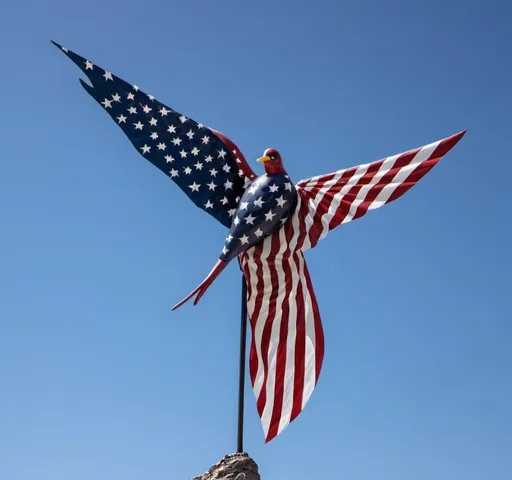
[204, 163]
[287, 346]
[340, 197]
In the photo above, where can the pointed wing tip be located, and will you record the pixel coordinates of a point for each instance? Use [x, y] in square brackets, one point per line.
[454, 139]
[59, 46]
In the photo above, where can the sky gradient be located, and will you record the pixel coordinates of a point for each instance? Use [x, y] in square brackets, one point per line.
[100, 380]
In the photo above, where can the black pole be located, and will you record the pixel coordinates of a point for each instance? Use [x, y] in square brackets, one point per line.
[241, 377]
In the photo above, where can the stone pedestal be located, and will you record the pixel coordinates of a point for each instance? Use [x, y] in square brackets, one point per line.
[234, 466]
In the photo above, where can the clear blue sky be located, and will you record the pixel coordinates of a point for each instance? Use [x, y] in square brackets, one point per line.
[99, 380]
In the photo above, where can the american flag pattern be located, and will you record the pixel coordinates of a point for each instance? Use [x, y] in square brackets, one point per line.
[287, 346]
[205, 164]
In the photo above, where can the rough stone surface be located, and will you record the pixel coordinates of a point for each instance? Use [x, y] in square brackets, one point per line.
[234, 466]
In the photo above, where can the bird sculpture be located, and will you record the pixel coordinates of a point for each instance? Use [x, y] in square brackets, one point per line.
[271, 223]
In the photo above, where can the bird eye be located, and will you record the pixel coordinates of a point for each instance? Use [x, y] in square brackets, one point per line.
[272, 157]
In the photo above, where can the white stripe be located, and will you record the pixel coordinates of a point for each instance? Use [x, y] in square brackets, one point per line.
[289, 376]
[423, 155]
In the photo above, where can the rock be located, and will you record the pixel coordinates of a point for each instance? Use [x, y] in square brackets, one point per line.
[234, 466]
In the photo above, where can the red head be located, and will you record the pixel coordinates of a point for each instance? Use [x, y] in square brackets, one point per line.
[272, 161]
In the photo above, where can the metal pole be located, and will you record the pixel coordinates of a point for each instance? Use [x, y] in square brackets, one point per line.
[241, 378]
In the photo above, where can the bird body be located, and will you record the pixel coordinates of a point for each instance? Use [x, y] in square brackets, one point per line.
[264, 207]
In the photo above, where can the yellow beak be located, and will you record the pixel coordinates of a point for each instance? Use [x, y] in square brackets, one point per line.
[263, 159]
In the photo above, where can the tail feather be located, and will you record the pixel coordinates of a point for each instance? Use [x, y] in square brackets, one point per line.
[204, 285]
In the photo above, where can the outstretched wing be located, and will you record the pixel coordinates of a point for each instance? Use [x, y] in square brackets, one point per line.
[287, 345]
[205, 164]
[335, 198]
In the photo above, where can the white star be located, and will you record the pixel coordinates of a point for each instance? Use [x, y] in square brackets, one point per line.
[259, 202]
[288, 186]
[273, 188]
[183, 119]
[132, 110]
[224, 250]
[121, 119]
[281, 201]
[224, 200]
[130, 96]
[236, 221]
[176, 141]
[169, 159]
[226, 168]
[232, 212]
[211, 185]
[146, 109]
[153, 122]
[195, 187]
[172, 129]
[206, 139]
[195, 151]
[250, 219]
[183, 153]
[145, 149]
[228, 185]
[190, 134]
[174, 173]
[229, 238]
[244, 239]
[200, 125]
[108, 76]
[107, 103]
[164, 111]
[187, 170]
[198, 165]
[154, 136]
[138, 125]
[252, 189]
[244, 205]
[208, 204]
[162, 146]
[116, 97]
[151, 97]
[222, 153]
[64, 49]
[241, 173]
[135, 87]
[88, 65]
[208, 159]
[213, 172]
[269, 216]
[258, 232]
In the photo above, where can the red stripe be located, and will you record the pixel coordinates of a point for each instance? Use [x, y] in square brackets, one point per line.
[257, 308]
[267, 329]
[300, 347]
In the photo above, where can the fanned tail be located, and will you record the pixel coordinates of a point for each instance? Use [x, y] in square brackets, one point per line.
[204, 285]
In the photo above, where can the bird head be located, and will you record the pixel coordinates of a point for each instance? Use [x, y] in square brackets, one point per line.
[272, 161]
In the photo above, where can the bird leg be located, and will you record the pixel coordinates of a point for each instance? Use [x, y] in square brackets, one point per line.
[204, 285]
